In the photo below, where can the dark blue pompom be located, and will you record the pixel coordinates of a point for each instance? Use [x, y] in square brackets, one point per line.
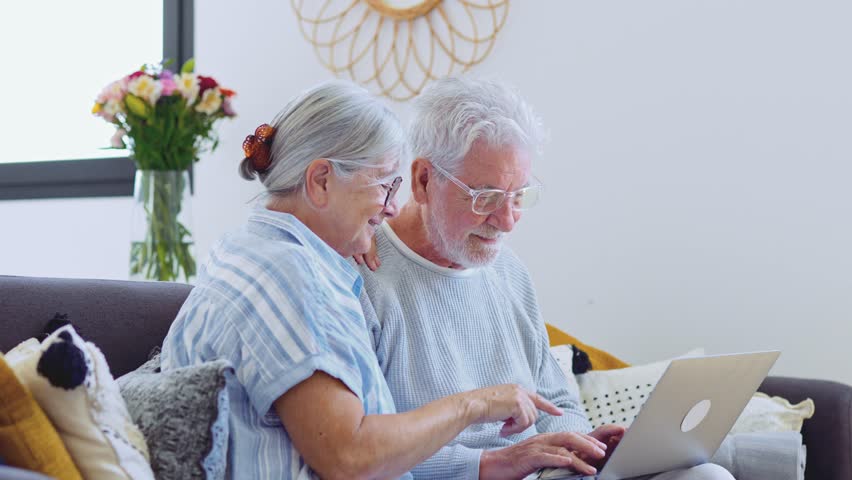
[58, 321]
[63, 364]
[580, 362]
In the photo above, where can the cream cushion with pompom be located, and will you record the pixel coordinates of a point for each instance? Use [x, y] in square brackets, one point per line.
[71, 381]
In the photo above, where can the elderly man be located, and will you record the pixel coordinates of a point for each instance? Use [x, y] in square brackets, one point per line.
[451, 309]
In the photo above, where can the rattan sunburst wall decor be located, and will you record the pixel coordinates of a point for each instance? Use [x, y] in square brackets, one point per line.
[395, 47]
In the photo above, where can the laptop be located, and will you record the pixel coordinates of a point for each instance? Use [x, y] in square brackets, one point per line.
[686, 416]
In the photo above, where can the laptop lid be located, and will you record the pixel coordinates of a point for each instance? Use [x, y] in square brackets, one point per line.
[688, 414]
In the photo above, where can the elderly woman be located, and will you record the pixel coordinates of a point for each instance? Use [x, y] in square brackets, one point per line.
[279, 300]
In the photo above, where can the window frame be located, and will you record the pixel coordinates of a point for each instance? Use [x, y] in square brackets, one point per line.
[100, 177]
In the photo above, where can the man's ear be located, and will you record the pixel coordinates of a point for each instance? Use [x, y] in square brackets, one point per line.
[421, 175]
[317, 178]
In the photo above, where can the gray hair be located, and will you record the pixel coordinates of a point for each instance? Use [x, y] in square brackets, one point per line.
[338, 121]
[453, 113]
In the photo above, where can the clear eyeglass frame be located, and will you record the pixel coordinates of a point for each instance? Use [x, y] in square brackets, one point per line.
[391, 188]
[489, 200]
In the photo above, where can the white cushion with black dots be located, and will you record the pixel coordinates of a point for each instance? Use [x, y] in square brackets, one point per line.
[616, 396]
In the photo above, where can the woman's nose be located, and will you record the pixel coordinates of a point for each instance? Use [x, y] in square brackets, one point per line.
[391, 209]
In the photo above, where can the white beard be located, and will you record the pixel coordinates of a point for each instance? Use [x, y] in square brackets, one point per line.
[464, 250]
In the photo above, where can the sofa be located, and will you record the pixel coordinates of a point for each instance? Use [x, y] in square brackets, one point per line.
[127, 319]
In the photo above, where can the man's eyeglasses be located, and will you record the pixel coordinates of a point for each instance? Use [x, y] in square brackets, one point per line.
[391, 188]
[487, 201]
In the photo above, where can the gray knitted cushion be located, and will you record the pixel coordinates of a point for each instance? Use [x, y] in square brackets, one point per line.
[183, 414]
[763, 455]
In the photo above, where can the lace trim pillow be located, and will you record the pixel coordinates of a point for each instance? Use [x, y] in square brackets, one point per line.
[70, 379]
[773, 414]
[184, 416]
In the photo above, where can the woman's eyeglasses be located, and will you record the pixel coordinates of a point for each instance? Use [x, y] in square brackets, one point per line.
[391, 188]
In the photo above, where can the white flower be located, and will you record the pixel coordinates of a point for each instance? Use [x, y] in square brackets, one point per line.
[110, 109]
[146, 88]
[210, 101]
[188, 86]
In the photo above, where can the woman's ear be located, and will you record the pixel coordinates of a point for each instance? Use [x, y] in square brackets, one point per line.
[317, 177]
[421, 175]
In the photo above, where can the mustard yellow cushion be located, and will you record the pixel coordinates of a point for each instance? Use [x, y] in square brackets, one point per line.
[600, 359]
[27, 438]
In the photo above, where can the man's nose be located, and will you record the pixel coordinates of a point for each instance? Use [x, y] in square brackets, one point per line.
[504, 217]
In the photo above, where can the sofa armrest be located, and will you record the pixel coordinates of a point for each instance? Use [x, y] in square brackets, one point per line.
[828, 434]
[12, 473]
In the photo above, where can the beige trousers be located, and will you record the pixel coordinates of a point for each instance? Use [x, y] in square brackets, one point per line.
[707, 471]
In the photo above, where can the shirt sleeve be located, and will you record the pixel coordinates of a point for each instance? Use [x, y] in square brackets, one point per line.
[453, 461]
[277, 335]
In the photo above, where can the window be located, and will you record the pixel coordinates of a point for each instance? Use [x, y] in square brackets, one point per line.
[62, 54]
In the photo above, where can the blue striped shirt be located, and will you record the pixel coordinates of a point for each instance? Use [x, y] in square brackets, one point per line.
[279, 304]
[439, 331]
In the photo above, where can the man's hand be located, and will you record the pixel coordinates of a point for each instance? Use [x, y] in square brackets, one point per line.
[610, 435]
[370, 258]
[564, 450]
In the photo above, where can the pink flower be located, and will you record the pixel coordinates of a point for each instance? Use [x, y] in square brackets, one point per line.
[117, 140]
[169, 86]
[227, 109]
[113, 91]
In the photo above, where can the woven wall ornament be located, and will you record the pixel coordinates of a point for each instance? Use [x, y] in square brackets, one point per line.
[395, 47]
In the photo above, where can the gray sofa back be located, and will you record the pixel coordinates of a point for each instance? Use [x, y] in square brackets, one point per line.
[127, 319]
[124, 319]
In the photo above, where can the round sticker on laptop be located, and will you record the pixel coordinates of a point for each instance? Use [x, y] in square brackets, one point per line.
[695, 415]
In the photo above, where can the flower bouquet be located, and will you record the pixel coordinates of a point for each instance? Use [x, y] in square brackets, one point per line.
[166, 120]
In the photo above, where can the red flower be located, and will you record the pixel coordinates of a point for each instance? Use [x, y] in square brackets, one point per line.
[205, 83]
[135, 74]
[227, 92]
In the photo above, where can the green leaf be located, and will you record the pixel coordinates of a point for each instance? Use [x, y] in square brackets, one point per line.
[188, 66]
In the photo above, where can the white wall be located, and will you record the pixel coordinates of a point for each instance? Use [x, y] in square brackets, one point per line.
[697, 178]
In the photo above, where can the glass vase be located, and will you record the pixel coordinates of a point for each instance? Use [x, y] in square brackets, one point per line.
[161, 241]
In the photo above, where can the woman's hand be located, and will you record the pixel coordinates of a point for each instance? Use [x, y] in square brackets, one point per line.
[329, 428]
[516, 407]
